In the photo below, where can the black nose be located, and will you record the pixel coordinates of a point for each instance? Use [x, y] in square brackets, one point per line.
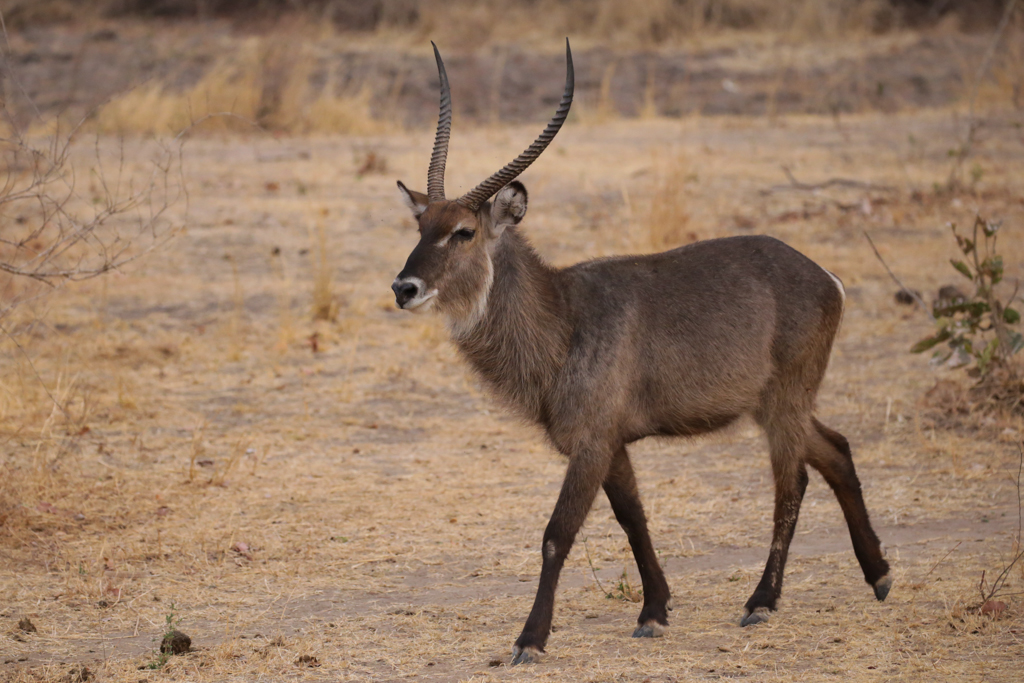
[404, 291]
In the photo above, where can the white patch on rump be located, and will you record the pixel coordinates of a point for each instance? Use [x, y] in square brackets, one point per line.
[839, 285]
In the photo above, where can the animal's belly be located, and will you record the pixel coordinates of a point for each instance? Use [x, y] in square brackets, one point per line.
[694, 425]
[697, 403]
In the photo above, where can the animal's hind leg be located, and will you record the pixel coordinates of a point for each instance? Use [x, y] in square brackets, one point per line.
[620, 486]
[828, 451]
[786, 443]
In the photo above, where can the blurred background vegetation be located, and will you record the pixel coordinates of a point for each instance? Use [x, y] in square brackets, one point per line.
[654, 21]
[365, 67]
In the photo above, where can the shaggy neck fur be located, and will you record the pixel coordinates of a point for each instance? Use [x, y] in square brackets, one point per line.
[520, 342]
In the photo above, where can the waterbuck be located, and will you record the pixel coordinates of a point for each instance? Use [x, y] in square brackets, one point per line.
[607, 352]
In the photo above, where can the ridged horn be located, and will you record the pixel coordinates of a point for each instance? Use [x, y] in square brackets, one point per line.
[435, 174]
[485, 190]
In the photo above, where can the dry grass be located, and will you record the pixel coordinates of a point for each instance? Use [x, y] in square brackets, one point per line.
[294, 80]
[266, 82]
[230, 87]
[361, 501]
[1006, 80]
[390, 513]
[290, 79]
[667, 220]
[325, 303]
[601, 108]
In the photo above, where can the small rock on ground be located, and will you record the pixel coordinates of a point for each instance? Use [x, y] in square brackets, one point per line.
[176, 643]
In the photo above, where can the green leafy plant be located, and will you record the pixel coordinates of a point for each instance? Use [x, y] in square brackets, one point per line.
[979, 329]
[162, 654]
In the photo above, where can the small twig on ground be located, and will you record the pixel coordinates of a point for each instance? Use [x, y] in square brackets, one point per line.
[594, 571]
[973, 124]
[942, 558]
[917, 297]
[796, 185]
[1000, 579]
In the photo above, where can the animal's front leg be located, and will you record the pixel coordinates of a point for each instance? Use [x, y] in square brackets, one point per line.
[582, 479]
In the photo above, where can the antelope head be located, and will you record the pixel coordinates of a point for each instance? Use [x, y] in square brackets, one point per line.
[451, 268]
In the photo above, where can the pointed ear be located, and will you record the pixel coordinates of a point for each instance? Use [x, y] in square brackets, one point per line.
[416, 201]
[508, 208]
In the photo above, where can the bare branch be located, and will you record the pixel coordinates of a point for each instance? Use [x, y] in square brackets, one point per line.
[594, 571]
[915, 295]
[796, 185]
[61, 236]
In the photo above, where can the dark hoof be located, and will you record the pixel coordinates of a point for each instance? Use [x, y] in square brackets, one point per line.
[756, 617]
[526, 655]
[650, 629]
[882, 587]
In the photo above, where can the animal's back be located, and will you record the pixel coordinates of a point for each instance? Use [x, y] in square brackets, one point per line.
[672, 324]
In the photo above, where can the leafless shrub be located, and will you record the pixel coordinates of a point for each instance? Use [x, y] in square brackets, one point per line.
[56, 229]
[69, 211]
[53, 231]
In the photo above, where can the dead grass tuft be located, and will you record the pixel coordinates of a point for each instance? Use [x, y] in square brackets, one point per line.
[270, 83]
[600, 109]
[196, 451]
[233, 86]
[325, 302]
[667, 221]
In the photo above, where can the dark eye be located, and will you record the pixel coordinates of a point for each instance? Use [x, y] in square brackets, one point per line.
[464, 234]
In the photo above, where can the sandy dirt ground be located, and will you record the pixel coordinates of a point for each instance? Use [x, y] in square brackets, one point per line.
[352, 506]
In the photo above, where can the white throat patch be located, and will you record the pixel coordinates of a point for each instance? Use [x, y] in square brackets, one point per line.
[461, 327]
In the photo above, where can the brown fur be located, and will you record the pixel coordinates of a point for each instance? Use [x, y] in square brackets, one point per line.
[607, 352]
